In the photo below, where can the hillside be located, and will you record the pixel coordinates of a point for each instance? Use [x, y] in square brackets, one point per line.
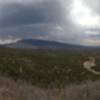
[46, 68]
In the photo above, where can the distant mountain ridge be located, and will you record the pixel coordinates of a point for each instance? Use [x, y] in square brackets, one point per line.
[40, 44]
[46, 44]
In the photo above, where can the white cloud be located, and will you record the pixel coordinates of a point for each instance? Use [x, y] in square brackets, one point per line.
[84, 16]
[89, 32]
[8, 41]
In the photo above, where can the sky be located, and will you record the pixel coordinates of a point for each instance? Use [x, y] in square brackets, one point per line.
[68, 21]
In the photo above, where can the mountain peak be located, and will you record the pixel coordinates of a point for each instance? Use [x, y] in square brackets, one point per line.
[41, 44]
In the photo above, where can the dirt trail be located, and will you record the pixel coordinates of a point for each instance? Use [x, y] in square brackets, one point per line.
[89, 64]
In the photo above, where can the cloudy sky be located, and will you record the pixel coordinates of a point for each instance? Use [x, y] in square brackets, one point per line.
[69, 21]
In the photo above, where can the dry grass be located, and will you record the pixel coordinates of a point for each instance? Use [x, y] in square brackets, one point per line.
[11, 90]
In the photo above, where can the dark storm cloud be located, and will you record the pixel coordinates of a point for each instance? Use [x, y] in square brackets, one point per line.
[18, 14]
[23, 31]
[24, 20]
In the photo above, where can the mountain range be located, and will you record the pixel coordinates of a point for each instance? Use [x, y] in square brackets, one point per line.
[45, 44]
